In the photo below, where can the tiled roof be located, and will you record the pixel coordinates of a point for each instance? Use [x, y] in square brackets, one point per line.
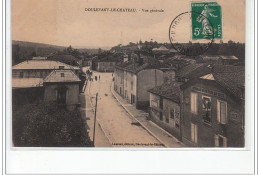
[61, 76]
[42, 64]
[232, 78]
[168, 90]
[193, 70]
[26, 82]
[232, 85]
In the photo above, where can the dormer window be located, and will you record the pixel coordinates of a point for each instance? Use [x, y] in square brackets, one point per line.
[61, 67]
[62, 75]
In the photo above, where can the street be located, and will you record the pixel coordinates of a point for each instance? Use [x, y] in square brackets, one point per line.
[118, 126]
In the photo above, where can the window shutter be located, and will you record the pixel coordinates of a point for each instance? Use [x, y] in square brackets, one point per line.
[192, 131]
[224, 141]
[196, 134]
[216, 141]
[191, 102]
[195, 103]
[218, 111]
[223, 109]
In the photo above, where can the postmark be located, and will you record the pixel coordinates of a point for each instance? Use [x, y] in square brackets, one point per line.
[180, 35]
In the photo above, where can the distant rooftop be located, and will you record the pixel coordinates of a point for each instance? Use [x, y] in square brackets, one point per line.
[43, 64]
[61, 76]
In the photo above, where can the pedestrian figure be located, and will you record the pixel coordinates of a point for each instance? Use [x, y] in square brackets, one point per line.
[96, 78]
[99, 77]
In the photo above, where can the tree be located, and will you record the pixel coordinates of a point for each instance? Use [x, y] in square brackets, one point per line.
[48, 125]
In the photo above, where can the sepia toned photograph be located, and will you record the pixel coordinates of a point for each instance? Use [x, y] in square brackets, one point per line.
[128, 74]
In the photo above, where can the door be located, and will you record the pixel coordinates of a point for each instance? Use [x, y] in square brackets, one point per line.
[61, 96]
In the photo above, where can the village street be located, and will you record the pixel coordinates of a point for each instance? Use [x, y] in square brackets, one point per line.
[118, 126]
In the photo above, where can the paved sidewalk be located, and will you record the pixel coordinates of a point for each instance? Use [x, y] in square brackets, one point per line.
[163, 136]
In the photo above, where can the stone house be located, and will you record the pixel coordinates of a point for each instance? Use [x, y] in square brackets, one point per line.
[164, 107]
[62, 86]
[212, 108]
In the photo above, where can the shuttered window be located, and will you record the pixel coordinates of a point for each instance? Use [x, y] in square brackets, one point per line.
[222, 112]
[193, 103]
[194, 133]
[220, 141]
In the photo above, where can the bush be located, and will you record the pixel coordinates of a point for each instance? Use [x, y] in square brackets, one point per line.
[48, 125]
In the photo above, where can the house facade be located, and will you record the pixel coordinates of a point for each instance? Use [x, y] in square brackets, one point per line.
[62, 86]
[164, 107]
[105, 66]
[35, 80]
[213, 111]
[133, 80]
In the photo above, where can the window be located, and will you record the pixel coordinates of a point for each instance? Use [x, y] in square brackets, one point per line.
[62, 75]
[193, 103]
[222, 112]
[121, 79]
[194, 133]
[206, 107]
[61, 67]
[171, 113]
[167, 118]
[220, 141]
[132, 85]
[154, 103]
[21, 75]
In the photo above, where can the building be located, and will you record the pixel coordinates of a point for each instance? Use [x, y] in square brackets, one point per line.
[62, 86]
[161, 50]
[192, 71]
[29, 80]
[228, 60]
[218, 59]
[104, 66]
[165, 107]
[212, 108]
[39, 68]
[105, 62]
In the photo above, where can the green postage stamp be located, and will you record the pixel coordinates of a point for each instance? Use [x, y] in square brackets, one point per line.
[206, 19]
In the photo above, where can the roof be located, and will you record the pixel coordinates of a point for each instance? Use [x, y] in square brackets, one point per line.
[228, 57]
[39, 58]
[168, 90]
[61, 76]
[27, 82]
[193, 70]
[231, 78]
[42, 64]
[209, 57]
[162, 48]
[230, 84]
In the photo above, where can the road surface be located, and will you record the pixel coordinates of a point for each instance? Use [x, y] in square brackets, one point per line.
[119, 127]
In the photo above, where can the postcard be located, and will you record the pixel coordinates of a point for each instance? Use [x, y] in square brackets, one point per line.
[128, 74]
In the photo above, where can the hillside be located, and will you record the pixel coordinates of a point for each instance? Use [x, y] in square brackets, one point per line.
[36, 45]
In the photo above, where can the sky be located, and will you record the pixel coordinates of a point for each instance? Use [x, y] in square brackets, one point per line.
[65, 22]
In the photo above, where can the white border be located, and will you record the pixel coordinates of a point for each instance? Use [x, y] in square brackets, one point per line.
[128, 161]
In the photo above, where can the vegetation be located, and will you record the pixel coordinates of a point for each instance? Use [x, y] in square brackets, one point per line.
[48, 125]
[229, 48]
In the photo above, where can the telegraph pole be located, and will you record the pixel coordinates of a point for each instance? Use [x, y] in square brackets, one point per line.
[95, 118]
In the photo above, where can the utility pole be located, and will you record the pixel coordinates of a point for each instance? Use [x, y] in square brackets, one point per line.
[95, 118]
